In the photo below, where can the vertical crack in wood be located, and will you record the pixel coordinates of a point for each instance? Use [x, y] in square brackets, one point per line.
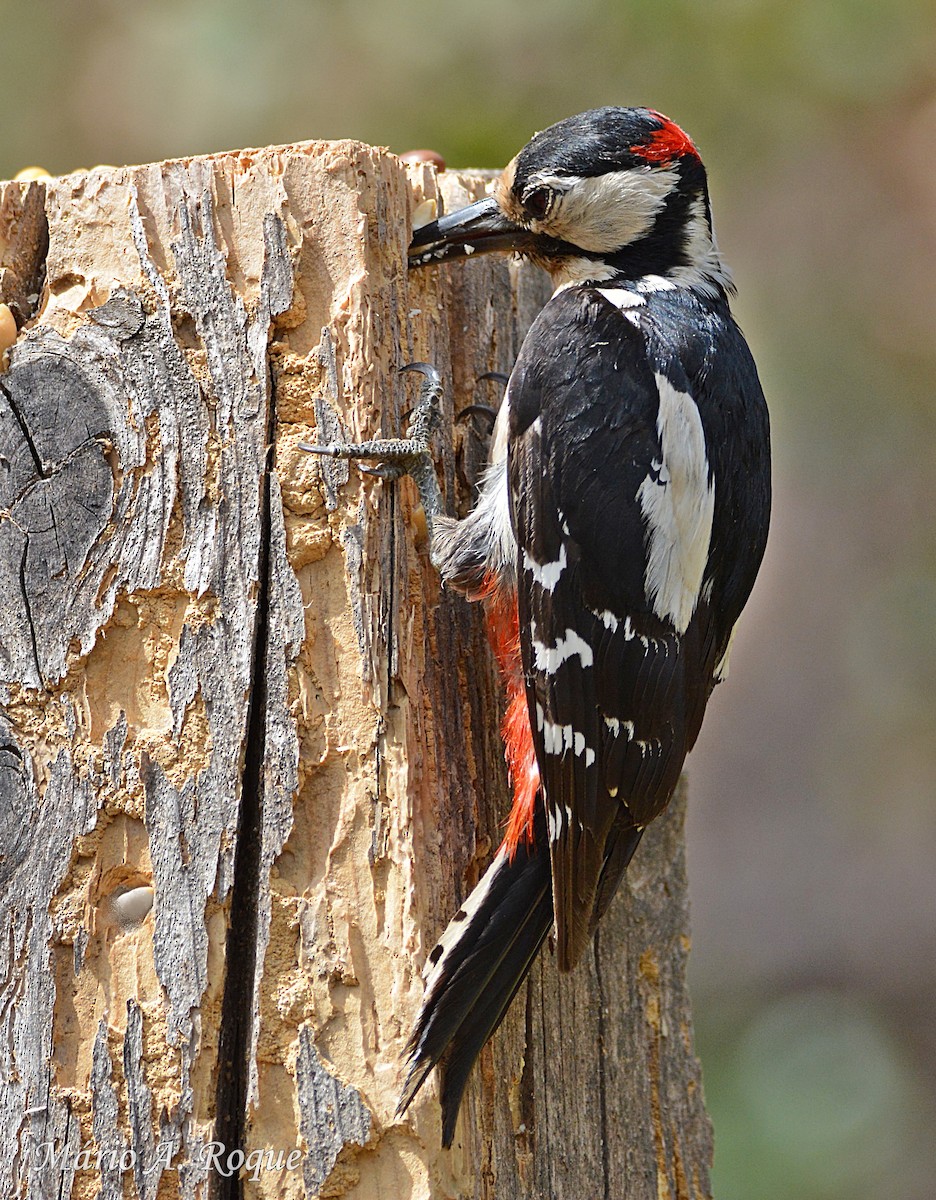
[602, 1058]
[392, 665]
[24, 430]
[237, 1004]
[24, 588]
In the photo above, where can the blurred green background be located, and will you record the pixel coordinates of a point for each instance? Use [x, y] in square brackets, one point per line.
[813, 827]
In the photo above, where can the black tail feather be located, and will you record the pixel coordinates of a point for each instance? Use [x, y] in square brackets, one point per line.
[482, 958]
[620, 848]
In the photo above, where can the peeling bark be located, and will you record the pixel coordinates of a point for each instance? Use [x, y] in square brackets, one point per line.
[250, 760]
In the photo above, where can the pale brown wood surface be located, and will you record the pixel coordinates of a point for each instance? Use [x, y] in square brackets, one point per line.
[249, 757]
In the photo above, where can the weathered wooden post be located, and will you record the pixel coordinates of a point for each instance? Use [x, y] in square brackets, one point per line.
[249, 762]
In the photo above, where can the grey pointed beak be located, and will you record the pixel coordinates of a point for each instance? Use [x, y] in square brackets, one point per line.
[480, 228]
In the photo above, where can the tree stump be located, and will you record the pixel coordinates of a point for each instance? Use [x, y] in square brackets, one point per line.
[250, 763]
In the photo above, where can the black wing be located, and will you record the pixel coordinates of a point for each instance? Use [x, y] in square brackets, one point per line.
[616, 689]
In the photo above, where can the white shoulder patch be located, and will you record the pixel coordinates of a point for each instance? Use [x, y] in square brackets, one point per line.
[622, 297]
[678, 504]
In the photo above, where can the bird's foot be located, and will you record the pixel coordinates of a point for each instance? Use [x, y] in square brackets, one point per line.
[410, 455]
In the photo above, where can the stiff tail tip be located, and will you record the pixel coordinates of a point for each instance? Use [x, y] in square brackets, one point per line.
[475, 971]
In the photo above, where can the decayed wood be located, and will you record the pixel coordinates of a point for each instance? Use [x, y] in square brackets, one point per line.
[250, 761]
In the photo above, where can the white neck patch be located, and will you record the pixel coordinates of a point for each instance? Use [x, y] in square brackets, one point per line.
[706, 272]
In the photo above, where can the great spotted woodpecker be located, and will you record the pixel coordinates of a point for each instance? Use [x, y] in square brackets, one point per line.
[616, 538]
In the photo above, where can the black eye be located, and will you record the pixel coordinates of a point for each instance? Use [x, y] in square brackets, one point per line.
[538, 202]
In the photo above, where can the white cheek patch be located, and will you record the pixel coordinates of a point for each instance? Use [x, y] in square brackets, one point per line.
[706, 272]
[678, 505]
[602, 213]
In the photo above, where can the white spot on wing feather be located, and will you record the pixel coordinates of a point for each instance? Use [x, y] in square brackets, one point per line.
[557, 739]
[615, 725]
[546, 574]
[550, 658]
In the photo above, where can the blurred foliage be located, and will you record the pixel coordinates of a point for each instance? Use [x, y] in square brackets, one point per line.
[813, 829]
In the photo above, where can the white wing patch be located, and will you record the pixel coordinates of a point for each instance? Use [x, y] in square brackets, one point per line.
[678, 504]
[623, 298]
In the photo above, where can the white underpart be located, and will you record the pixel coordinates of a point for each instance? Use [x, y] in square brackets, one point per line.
[501, 431]
[551, 658]
[602, 213]
[678, 507]
[557, 739]
[493, 508]
[462, 920]
[547, 575]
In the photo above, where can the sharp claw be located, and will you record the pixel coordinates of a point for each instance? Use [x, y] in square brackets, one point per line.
[332, 451]
[385, 471]
[497, 376]
[426, 369]
[476, 410]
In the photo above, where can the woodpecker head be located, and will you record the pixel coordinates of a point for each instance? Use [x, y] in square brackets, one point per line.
[611, 194]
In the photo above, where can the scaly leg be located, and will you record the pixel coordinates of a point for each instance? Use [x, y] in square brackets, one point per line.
[411, 455]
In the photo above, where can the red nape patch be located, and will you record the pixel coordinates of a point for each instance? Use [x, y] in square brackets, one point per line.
[524, 773]
[666, 144]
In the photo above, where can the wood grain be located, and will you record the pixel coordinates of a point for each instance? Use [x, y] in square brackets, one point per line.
[231, 683]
